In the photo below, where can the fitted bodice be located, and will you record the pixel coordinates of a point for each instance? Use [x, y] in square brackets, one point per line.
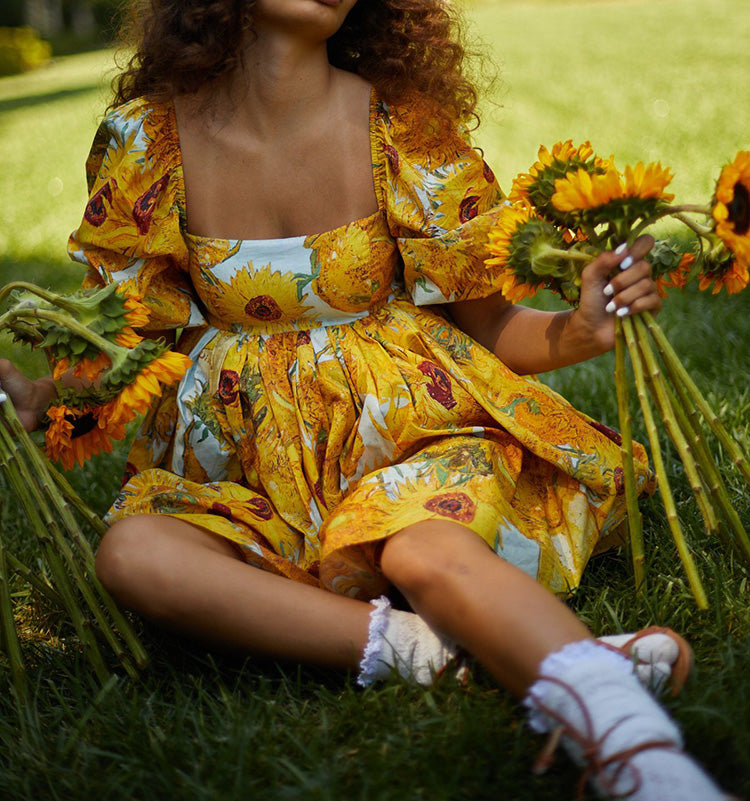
[273, 285]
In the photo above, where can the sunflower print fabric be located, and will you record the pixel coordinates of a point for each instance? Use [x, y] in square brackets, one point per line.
[331, 401]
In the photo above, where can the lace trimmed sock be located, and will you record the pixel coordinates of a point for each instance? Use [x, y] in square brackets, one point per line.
[588, 697]
[404, 642]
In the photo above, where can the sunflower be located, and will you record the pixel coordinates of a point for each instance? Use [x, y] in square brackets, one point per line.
[538, 185]
[677, 278]
[127, 338]
[671, 266]
[136, 397]
[259, 297]
[76, 434]
[91, 368]
[648, 181]
[561, 153]
[610, 197]
[353, 268]
[723, 269]
[526, 249]
[137, 313]
[501, 246]
[731, 207]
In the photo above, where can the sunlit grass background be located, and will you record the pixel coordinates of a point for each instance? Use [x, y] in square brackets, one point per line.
[643, 79]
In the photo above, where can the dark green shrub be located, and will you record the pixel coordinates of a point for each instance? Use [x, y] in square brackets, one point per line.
[21, 49]
[12, 13]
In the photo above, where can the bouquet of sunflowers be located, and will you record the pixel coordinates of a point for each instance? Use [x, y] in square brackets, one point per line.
[569, 207]
[88, 336]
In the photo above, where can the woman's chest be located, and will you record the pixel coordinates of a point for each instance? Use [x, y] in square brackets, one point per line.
[239, 186]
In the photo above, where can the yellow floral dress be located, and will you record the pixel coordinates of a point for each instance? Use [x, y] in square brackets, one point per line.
[331, 401]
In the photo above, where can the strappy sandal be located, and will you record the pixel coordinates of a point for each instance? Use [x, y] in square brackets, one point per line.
[680, 668]
[607, 771]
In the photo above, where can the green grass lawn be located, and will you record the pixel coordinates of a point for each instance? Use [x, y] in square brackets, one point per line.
[658, 79]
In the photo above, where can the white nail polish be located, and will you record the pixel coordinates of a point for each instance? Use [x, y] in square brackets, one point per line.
[621, 248]
[622, 311]
[610, 307]
[626, 262]
[3, 397]
[608, 291]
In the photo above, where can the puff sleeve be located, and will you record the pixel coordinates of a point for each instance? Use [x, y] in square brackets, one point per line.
[131, 229]
[441, 200]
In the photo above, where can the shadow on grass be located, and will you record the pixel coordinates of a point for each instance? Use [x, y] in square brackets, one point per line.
[27, 101]
[62, 275]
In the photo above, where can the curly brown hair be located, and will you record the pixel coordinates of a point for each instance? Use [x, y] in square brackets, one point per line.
[409, 50]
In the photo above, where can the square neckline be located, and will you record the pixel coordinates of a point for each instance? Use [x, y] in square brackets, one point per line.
[284, 240]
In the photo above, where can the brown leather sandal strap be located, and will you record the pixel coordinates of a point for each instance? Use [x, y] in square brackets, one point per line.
[591, 746]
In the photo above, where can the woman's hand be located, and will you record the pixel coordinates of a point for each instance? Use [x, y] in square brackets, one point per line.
[615, 283]
[30, 398]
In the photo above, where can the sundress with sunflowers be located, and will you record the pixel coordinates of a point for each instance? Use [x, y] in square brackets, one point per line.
[331, 402]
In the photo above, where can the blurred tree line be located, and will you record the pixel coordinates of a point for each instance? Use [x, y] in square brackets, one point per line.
[64, 19]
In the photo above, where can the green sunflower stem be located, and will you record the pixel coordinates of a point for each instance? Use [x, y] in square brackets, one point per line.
[8, 632]
[657, 385]
[75, 500]
[635, 521]
[680, 376]
[28, 575]
[689, 208]
[40, 469]
[690, 424]
[115, 352]
[665, 490]
[45, 294]
[34, 503]
[85, 579]
[696, 228]
[82, 577]
[572, 254]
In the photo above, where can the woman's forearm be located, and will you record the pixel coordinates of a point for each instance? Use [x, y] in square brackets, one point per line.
[533, 341]
[528, 340]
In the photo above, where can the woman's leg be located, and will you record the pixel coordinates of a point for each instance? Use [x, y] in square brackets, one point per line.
[192, 581]
[503, 617]
[537, 648]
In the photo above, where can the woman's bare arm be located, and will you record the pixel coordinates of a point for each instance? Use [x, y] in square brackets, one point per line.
[532, 341]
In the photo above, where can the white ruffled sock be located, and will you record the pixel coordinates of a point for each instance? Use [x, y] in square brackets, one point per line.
[404, 642]
[611, 724]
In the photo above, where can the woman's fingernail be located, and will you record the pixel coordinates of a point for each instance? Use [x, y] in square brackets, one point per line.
[626, 262]
[622, 311]
[621, 248]
[609, 290]
[3, 397]
[610, 307]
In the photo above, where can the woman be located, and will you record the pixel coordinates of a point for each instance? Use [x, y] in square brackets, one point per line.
[285, 182]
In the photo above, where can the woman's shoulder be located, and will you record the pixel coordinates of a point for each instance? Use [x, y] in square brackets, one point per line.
[417, 131]
[140, 120]
[140, 131]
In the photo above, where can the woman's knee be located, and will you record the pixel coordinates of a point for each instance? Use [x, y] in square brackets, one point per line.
[430, 555]
[141, 560]
[121, 558]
